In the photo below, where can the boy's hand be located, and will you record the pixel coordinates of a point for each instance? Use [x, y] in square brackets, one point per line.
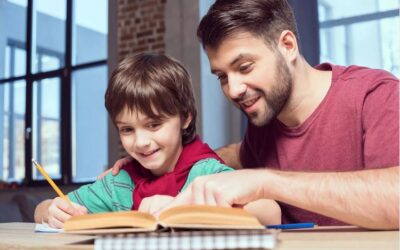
[117, 166]
[60, 211]
[155, 203]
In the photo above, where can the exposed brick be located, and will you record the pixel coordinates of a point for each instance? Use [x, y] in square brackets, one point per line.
[140, 26]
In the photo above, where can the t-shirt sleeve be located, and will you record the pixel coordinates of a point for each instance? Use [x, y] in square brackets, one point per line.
[111, 193]
[205, 167]
[380, 121]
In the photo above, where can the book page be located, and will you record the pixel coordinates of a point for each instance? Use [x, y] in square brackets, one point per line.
[208, 217]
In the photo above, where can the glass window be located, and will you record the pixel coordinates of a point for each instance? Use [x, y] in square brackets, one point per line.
[12, 131]
[90, 30]
[372, 41]
[46, 126]
[89, 124]
[41, 121]
[49, 33]
[337, 9]
[11, 37]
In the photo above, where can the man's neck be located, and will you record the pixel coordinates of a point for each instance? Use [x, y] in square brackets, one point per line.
[309, 88]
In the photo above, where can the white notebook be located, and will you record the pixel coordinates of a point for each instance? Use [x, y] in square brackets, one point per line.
[45, 228]
[191, 240]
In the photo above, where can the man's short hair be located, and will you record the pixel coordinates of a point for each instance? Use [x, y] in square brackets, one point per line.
[262, 18]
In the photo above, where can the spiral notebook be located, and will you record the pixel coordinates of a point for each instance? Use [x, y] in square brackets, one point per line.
[191, 240]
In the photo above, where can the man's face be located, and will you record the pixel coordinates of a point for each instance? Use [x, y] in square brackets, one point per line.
[254, 77]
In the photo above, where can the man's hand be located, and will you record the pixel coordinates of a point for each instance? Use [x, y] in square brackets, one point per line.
[230, 154]
[60, 211]
[117, 166]
[155, 203]
[227, 189]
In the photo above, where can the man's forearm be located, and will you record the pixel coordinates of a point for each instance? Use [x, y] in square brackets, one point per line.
[230, 155]
[367, 198]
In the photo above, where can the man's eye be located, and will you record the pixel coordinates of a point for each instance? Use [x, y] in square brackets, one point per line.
[245, 67]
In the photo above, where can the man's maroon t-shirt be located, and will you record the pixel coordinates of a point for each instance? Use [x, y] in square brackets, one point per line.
[355, 127]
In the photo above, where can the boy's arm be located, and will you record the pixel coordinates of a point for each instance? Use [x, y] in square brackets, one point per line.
[267, 212]
[111, 193]
[41, 211]
[230, 155]
[56, 211]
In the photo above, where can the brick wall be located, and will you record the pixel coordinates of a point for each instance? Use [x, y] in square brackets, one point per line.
[141, 26]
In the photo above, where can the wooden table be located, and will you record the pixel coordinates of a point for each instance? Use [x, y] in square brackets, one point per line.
[22, 236]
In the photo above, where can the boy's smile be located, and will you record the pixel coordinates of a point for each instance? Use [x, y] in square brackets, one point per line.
[155, 143]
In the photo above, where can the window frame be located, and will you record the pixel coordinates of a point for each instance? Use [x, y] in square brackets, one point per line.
[65, 76]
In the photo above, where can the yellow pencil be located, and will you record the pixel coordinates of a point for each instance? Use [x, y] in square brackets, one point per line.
[51, 182]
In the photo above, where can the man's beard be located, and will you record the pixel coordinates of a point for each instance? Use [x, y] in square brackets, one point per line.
[276, 99]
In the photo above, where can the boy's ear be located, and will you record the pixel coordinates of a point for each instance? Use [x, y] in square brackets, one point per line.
[186, 122]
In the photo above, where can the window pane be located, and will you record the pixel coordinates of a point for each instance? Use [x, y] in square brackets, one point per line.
[12, 131]
[49, 35]
[89, 124]
[90, 30]
[346, 45]
[334, 9]
[46, 127]
[12, 36]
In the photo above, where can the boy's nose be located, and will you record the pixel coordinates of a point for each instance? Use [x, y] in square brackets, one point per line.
[142, 140]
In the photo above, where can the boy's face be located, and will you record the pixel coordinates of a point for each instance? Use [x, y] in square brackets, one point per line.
[155, 144]
[254, 77]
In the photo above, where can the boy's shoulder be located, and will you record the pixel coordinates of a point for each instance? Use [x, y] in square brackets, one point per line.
[121, 177]
[209, 166]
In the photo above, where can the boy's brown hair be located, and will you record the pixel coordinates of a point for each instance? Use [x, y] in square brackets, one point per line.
[153, 84]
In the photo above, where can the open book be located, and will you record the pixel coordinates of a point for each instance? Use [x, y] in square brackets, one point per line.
[181, 217]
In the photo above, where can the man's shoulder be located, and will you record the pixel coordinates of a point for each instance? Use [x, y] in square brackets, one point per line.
[363, 75]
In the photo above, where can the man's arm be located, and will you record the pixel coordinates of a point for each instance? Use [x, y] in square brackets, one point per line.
[230, 155]
[368, 198]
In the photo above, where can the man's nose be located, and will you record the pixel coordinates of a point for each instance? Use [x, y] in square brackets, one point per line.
[236, 88]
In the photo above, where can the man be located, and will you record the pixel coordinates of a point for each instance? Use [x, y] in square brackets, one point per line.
[324, 140]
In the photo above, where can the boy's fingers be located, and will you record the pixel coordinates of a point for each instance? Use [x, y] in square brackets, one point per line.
[182, 199]
[55, 223]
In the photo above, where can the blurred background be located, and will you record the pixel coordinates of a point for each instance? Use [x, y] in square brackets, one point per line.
[56, 57]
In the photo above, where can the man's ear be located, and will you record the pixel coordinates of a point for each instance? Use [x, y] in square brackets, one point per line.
[187, 121]
[288, 46]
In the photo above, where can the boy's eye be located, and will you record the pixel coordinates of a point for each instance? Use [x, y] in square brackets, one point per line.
[154, 125]
[125, 130]
[221, 77]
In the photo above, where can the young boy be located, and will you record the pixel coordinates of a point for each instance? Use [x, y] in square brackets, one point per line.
[150, 101]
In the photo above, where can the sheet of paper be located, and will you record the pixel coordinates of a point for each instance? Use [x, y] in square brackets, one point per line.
[45, 228]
